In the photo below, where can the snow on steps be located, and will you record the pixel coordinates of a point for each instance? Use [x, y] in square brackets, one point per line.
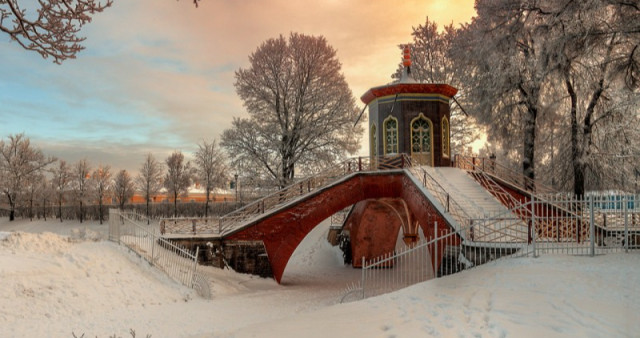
[479, 204]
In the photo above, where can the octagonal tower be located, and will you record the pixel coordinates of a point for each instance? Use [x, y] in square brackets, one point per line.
[410, 117]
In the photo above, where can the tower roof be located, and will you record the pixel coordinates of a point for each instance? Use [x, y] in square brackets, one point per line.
[408, 88]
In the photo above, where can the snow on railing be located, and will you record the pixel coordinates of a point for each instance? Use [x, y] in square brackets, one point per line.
[189, 225]
[130, 229]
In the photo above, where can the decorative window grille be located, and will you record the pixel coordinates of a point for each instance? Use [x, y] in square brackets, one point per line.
[390, 135]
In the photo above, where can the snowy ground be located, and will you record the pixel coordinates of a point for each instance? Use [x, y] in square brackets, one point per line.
[60, 278]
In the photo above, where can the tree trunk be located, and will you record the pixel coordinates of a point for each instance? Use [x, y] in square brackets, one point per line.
[528, 164]
[81, 212]
[60, 209]
[175, 205]
[147, 210]
[12, 205]
[529, 142]
[100, 209]
[44, 209]
[206, 205]
[576, 154]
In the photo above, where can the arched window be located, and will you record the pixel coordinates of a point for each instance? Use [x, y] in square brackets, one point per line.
[422, 140]
[445, 137]
[373, 141]
[390, 128]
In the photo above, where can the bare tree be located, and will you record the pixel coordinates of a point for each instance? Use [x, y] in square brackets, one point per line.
[210, 169]
[178, 178]
[123, 188]
[33, 188]
[80, 176]
[101, 179]
[61, 179]
[18, 161]
[149, 181]
[51, 27]
[301, 109]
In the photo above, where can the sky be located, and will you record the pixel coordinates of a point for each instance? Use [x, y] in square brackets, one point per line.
[157, 75]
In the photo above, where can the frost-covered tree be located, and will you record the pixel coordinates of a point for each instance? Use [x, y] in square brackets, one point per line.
[48, 27]
[61, 179]
[123, 188]
[301, 109]
[80, 184]
[101, 181]
[19, 161]
[431, 63]
[149, 180]
[178, 178]
[210, 169]
[499, 57]
[593, 47]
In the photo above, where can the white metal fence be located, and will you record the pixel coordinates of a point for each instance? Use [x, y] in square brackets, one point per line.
[131, 230]
[559, 224]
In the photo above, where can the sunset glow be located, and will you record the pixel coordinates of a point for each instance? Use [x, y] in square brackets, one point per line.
[158, 75]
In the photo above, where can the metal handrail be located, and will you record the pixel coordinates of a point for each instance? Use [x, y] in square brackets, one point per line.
[445, 199]
[491, 167]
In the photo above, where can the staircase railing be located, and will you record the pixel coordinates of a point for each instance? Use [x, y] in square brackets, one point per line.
[450, 205]
[508, 175]
[231, 221]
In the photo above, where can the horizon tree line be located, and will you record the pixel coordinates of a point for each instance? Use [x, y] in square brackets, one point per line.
[29, 178]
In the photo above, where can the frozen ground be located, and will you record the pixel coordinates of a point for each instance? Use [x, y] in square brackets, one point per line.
[61, 278]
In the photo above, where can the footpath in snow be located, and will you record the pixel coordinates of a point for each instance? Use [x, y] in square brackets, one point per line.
[60, 279]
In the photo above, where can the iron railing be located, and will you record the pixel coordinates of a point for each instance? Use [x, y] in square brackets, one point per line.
[508, 175]
[559, 224]
[130, 229]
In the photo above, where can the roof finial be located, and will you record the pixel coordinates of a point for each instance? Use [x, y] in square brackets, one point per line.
[407, 56]
[406, 62]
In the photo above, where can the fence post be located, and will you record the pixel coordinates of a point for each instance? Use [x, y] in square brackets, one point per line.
[363, 277]
[195, 266]
[592, 235]
[447, 203]
[436, 261]
[533, 225]
[626, 224]
[118, 228]
[153, 248]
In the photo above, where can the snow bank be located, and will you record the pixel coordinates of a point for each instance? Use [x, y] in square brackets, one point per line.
[54, 285]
